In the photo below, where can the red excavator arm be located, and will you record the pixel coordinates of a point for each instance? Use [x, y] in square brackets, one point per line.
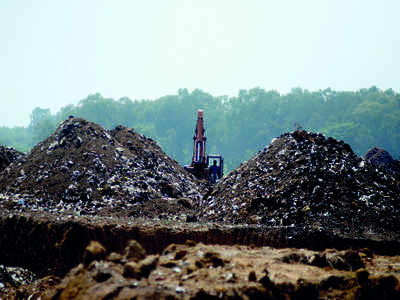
[199, 140]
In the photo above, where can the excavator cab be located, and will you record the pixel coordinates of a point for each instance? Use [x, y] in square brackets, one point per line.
[200, 166]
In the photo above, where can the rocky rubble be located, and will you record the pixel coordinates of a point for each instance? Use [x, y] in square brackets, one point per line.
[196, 271]
[14, 276]
[31, 291]
[305, 180]
[7, 156]
[19, 283]
[86, 169]
[383, 160]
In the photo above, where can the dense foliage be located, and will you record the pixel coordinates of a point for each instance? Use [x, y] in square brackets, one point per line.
[236, 127]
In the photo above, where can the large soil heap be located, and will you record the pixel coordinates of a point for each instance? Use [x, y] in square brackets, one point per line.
[85, 167]
[306, 181]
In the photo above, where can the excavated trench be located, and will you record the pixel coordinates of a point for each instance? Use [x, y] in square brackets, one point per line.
[53, 247]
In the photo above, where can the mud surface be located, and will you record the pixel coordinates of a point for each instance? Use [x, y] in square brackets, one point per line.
[328, 217]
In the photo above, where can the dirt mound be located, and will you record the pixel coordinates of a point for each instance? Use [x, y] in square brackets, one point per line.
[86, 168]
[7, 156]
[383, 160]
[304, 180]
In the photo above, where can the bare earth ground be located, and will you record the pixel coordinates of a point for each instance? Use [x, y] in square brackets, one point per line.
[198, 271]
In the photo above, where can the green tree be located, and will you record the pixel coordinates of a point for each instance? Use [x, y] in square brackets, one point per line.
[42, 124]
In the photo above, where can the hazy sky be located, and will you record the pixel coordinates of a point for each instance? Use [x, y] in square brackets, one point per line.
[55, 53]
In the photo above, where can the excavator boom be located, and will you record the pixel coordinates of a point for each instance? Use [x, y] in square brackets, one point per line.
[199, 140]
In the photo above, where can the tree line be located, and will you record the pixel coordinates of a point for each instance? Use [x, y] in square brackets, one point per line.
[236, 127]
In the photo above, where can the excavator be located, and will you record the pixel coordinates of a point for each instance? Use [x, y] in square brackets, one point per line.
[201, 165]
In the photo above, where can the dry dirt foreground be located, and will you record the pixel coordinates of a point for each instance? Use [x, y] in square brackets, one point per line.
[211, 266]
[198, 271]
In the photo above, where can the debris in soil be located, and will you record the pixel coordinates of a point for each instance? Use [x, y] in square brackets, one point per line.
[17, 283]
[29, 289]
[196, 271]
[304, 180]
[383, 160]
[84, 168]
[7, 156]
[15, 276]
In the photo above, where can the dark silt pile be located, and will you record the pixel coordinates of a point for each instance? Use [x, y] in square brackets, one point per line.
[304, 180]
[88, 169]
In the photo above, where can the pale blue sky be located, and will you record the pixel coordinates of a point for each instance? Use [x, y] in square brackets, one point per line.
[55, 53]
